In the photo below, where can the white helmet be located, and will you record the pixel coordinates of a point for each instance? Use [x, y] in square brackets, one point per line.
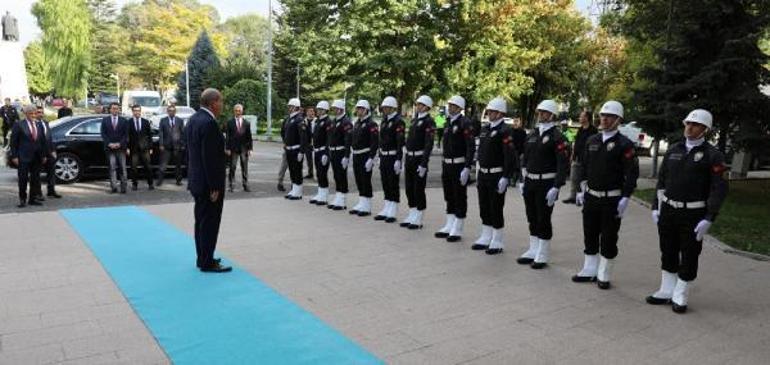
[700, 116]
[339, 104]
[425, 100]
[612, 107]
[294, 102]
[390, 101]
[548, 105]
[497, 104]
[363, 104]
[323, 104]
[457, 100]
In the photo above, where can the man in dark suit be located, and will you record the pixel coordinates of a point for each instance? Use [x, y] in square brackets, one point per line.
[115, 138]
[28, 151]
[139, 146]
[65, 110]
[206, 177]
[10, 116]
[171, 144]
[50, 165]
[239, 146]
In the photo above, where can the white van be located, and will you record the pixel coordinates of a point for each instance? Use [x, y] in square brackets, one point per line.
[147, 99]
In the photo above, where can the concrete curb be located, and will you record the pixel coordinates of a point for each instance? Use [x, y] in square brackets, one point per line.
[716, 243]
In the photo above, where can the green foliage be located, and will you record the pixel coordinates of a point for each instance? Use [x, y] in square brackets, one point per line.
[38, 76]
[251, 94]
[108, 48]
[248, 40]
[202, 59]
[66, 42]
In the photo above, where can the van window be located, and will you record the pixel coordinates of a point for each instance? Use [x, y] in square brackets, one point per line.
[90, 126]
[145, 101]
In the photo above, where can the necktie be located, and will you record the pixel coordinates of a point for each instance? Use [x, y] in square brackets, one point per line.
[136, 121]
[172, 122]
[33, 129]
[238, 121]
[114, 122]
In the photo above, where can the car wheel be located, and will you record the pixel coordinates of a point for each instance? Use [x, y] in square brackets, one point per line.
[68, 168]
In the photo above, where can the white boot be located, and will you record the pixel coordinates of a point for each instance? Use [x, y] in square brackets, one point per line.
[384, 212]
[417, 220]
[528, 256]
[444, 231]
[604, 272]
[358, 205]
[541, 258]
[390, 215]
[496, 244]
[666, 290]
[482, 243]
[343, 201]
[296, 192]
[366, 207]
[679, 298]
[315, 197]
[299, 191]
[323, 196]
[589, 271]
[456, 233]
[409, 217]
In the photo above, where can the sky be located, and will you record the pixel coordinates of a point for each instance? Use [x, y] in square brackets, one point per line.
[29, 31]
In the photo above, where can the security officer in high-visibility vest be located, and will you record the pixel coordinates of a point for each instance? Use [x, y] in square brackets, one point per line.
[498, 166]
[419, 144]
[607, 179]
[544, 167]
[364, 144]
[392, 134]
[339, 151]
[295, 141]
[321, 152]
[458, 152]
[691, 188]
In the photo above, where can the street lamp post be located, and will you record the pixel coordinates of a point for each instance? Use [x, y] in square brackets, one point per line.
[187, 81]
[270, 71]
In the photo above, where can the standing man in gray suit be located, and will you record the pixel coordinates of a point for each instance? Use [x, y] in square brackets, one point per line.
[172, 144]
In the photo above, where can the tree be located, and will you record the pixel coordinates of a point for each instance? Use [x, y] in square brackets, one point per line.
[108, 48]
[66, 43]
[38, 76]
[202, 59]
[247, 39]
[252, 94]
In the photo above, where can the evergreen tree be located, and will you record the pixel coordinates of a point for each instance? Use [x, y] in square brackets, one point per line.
[202, 59]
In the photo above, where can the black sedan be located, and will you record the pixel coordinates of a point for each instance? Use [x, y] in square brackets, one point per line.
[80, 151]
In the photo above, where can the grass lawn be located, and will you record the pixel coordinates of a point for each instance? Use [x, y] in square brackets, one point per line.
[744, 220]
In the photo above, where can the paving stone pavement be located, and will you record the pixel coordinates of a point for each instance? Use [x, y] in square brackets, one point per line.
[405, 296]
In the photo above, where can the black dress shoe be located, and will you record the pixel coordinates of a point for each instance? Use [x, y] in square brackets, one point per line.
[217, 268]
[339, 207]
[34, 202]
[657, 301]
[364, 214]
[216, 261]
[478, 247]
[604, 285]
[680, 309]
[441, 235]
[414, 226]
[453, 238]
[22, 205]
[313, 201]
[280, 187]
[583, 279]
[54, 195]
[538, 265]
[524, 261]
[246, 189]
[353, 211]
[493, 251]
[390, 220]
[40, 198]
[380, 217]
[294, 197]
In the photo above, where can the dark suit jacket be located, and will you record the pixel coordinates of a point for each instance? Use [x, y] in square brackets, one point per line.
[9, 115]
[117, 135]
[23, 146]
[167, 135]
[139, 140]
[64, 112]
[48, 138]
[238, 142]
[205, 154]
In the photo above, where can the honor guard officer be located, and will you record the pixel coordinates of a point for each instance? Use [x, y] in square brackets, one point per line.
[419, 144]
[544, 166]
[498, 166]
[608, 178]
[321, 152]
[458, 151]
[391, 151]
[365, 139]
[339, 150]
[295, 144]
[691, 189]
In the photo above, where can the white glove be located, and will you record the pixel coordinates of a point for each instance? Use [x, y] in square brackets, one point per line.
[397, 167]
[344, 162]
[300, 157]
[551, 196]
[701, 229]
[580, 198]
[622, 205]
[521, 188]
[502, 185]
[421, 171]
[465, 174]
[655, 216]
[324, 160]
[368, 165]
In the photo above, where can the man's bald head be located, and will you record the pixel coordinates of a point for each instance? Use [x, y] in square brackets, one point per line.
[211, 99]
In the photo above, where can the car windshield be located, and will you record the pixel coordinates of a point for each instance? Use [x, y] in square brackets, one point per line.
[146, 101]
